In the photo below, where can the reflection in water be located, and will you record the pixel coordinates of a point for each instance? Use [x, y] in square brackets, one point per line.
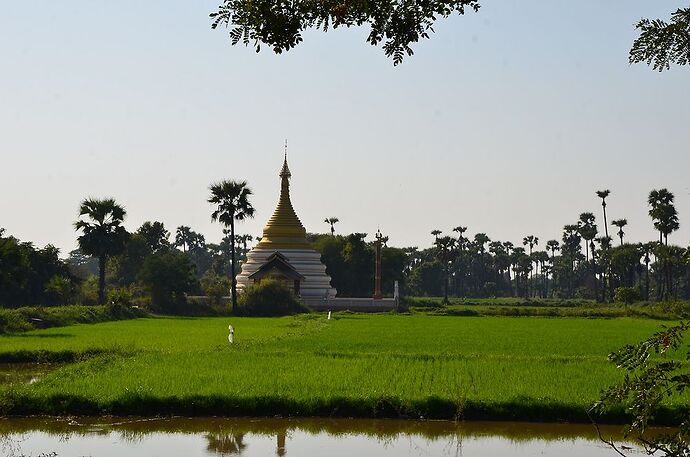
[218, 437]
[225, 445]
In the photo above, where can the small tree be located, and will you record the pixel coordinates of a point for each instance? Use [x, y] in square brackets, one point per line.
[215, 286]
[168, 275]
[627, 295]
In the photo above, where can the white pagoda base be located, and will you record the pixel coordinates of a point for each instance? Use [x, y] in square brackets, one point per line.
[307, 262]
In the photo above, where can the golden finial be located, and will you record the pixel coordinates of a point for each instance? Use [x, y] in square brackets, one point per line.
[285, 172]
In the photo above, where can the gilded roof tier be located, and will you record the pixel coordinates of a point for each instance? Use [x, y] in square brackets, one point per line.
[284, 230]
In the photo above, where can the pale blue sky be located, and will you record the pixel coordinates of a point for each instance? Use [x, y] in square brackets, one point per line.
[505, 121]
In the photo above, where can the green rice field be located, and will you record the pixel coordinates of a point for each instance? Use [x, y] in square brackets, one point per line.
[387, 365]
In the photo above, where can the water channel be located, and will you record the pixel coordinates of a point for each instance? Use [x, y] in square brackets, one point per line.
[249, 437]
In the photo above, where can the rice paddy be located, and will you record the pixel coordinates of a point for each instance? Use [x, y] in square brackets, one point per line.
[352, 365]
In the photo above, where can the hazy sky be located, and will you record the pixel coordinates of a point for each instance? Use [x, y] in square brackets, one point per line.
[506, 121]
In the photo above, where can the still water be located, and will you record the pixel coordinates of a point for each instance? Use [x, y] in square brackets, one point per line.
[132, 437]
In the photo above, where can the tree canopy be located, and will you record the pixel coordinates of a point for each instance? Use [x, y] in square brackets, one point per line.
[279, 24]
[662, 43]
[398, 24]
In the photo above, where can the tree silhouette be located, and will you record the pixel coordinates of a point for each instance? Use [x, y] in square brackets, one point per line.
[603, 194]
[279, 25]
[232, 204]
[446, 253]
[530, 241]
[102, 233]
[332, 221]
[620, 223]
[660, 43]
[663, 213]
[183, 236]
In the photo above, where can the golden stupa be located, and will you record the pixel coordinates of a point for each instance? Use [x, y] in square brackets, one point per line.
[285, 235]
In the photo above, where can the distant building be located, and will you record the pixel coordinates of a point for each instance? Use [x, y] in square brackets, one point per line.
[285, 254]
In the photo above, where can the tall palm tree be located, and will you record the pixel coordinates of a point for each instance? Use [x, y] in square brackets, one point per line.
[436, 233]
[530, 241]
[332, 221]
[553, 246]
[620, 223]
[509, 246]
[603, 194]
[102, 233]
[588, 231]
[232, 204]
[446, 253]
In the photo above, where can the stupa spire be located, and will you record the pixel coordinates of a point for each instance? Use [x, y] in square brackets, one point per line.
[285, 172]
[284, 229]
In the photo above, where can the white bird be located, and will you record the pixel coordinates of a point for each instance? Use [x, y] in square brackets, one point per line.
[231, 336]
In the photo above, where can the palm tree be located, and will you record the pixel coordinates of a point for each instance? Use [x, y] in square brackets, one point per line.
[663, 213]
[436, 233]
[332, 221]
[102, 234]
[553, 246]
[232, 204]
[620, 223]
[588, 231]
[461, 239]
[530, 241]
[446, 253]
[509, 246]
[648, 249]
[183, 237]
[603, 194]
[243, 240]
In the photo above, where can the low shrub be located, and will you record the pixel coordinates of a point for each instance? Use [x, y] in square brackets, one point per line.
[32, 317]
[269, 298]
[12, 322]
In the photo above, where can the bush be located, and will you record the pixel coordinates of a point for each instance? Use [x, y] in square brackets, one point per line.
[215, 287]
[269, 298]
[12, 321]
[627, 295]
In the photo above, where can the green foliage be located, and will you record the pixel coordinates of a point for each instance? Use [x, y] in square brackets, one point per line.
[168, 275]
[11, 322]
[215, 286]
[657, 370]
[30, 276]
[27, 318]
[155, 235]
[660, 43]
[627, 295]
[280, 24]
[88, 291]
[61, 288]
[350, 259]
[269, 298]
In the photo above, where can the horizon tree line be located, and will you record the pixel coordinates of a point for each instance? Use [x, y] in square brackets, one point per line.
[583, 263]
